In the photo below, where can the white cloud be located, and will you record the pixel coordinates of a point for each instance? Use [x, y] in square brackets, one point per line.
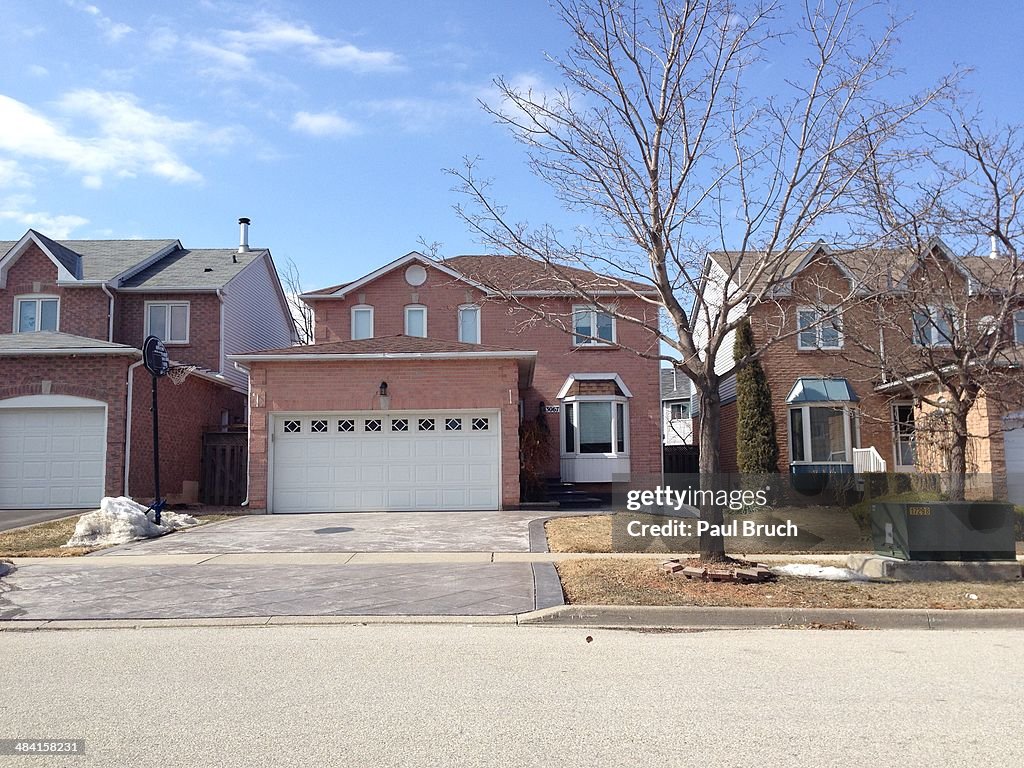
[58, 226]
[230, 63]
[323, 124]
[38, 70]
[11, 175]
[115, 136]
[162, 40]
[269, 34]
[111, 29]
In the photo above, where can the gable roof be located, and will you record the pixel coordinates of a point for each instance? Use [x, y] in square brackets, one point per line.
[518, 275]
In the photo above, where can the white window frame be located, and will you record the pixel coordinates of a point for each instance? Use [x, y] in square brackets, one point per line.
[1018, 326]
[574, 401]
[593, 341]
[147, 331]
[466, 308]
[416, 308]
[38, 298]
[672, 404]
[352, 321]
[823, 314]
[933, 311]
[851, 430]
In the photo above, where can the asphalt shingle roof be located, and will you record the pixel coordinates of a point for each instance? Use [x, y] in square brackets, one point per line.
[674, 385]
[52, 341]
[194, 268]
[520, 273]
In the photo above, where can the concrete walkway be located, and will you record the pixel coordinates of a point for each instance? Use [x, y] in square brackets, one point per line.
[19, 518]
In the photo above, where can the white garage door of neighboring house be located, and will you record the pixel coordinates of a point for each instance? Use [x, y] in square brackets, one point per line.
[1014, 443]
[53, 452]
[366, 462]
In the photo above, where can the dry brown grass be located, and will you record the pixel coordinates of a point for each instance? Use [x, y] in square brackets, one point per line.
[641, 582]
[590, 533]
[45, 539]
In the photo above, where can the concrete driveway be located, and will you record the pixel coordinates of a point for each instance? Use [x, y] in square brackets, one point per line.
[355, 532]
[18, 518]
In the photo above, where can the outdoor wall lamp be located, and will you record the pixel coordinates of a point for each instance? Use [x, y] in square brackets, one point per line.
[383, 389]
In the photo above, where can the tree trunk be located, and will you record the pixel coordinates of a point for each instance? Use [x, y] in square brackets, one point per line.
[712, 545]
[958, 458]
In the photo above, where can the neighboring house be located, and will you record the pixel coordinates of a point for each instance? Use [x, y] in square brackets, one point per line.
[833, 409]
[75, 401]
[413, 393]
[675, 404]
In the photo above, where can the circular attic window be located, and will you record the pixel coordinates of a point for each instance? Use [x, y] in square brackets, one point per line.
[415, 275]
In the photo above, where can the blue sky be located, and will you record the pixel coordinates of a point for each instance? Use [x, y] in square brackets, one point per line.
[329, 124]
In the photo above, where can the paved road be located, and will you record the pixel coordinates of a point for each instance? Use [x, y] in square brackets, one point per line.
[16, 518]
[507, 696]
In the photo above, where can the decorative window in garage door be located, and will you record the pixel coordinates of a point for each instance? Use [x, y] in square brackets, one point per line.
[346, 425]
[453, 425]
[399, 425]
[481, 424]
[372, 425]
[318, 426]
[426, 425]
[292, 426]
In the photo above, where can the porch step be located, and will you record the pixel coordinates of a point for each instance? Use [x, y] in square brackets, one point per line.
[567, 496]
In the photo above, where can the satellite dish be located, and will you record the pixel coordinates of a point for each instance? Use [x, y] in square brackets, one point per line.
[987, 325]
[154, 356]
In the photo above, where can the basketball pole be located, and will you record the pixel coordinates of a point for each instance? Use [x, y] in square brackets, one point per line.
[158, 504]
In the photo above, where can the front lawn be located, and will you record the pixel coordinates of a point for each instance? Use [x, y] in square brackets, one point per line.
[642, 582]
[45, 539]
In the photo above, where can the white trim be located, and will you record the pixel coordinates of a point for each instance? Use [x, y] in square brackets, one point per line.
[574, 377]
[110, 311]
[221, 362]
[147, 331]
[16, 250]
[593, 341]
[171, 289]
[344, 291]
[614, 401]
[458, 317]
[416, 307]
[848, 408]
[59, 351]
[352, 321]
[823, 314]
[38, 298]
[51, 401]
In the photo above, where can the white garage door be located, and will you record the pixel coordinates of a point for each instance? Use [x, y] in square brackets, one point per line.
[1014, 442]
[366, 462]
[51, 457]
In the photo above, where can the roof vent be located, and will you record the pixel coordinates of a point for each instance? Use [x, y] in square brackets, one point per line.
[243, 235]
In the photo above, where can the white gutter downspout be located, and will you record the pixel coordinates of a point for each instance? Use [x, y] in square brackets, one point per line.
[222, 362]
[110, 313]
[128, 424]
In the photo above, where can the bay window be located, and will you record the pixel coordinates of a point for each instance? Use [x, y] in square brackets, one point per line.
[821, 434]
[594, 425]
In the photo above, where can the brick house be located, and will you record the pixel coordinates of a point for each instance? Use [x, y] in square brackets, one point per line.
[414, 391]
[835, 409]
[74, 398]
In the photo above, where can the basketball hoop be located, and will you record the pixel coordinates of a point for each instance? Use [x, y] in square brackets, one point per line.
[178, 373]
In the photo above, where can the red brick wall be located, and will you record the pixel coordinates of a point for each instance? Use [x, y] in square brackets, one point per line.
[83, 311]
[511, 328]
[96, 377]
[186, 412]
[204, 325]
[412, 385]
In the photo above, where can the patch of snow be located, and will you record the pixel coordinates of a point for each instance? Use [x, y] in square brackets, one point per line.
[824, 572]
[119, 520]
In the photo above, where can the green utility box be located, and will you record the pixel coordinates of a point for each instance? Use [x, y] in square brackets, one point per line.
[944, 530]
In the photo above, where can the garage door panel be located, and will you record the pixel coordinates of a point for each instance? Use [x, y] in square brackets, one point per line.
[52, 456]
[1014, 450]
[400, 466]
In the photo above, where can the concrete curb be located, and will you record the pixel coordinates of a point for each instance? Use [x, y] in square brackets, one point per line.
[690, 617]
[598, 617]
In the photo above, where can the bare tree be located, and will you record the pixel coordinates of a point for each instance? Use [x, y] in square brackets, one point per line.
[948, 309]
[666, 133]
[302, 313]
